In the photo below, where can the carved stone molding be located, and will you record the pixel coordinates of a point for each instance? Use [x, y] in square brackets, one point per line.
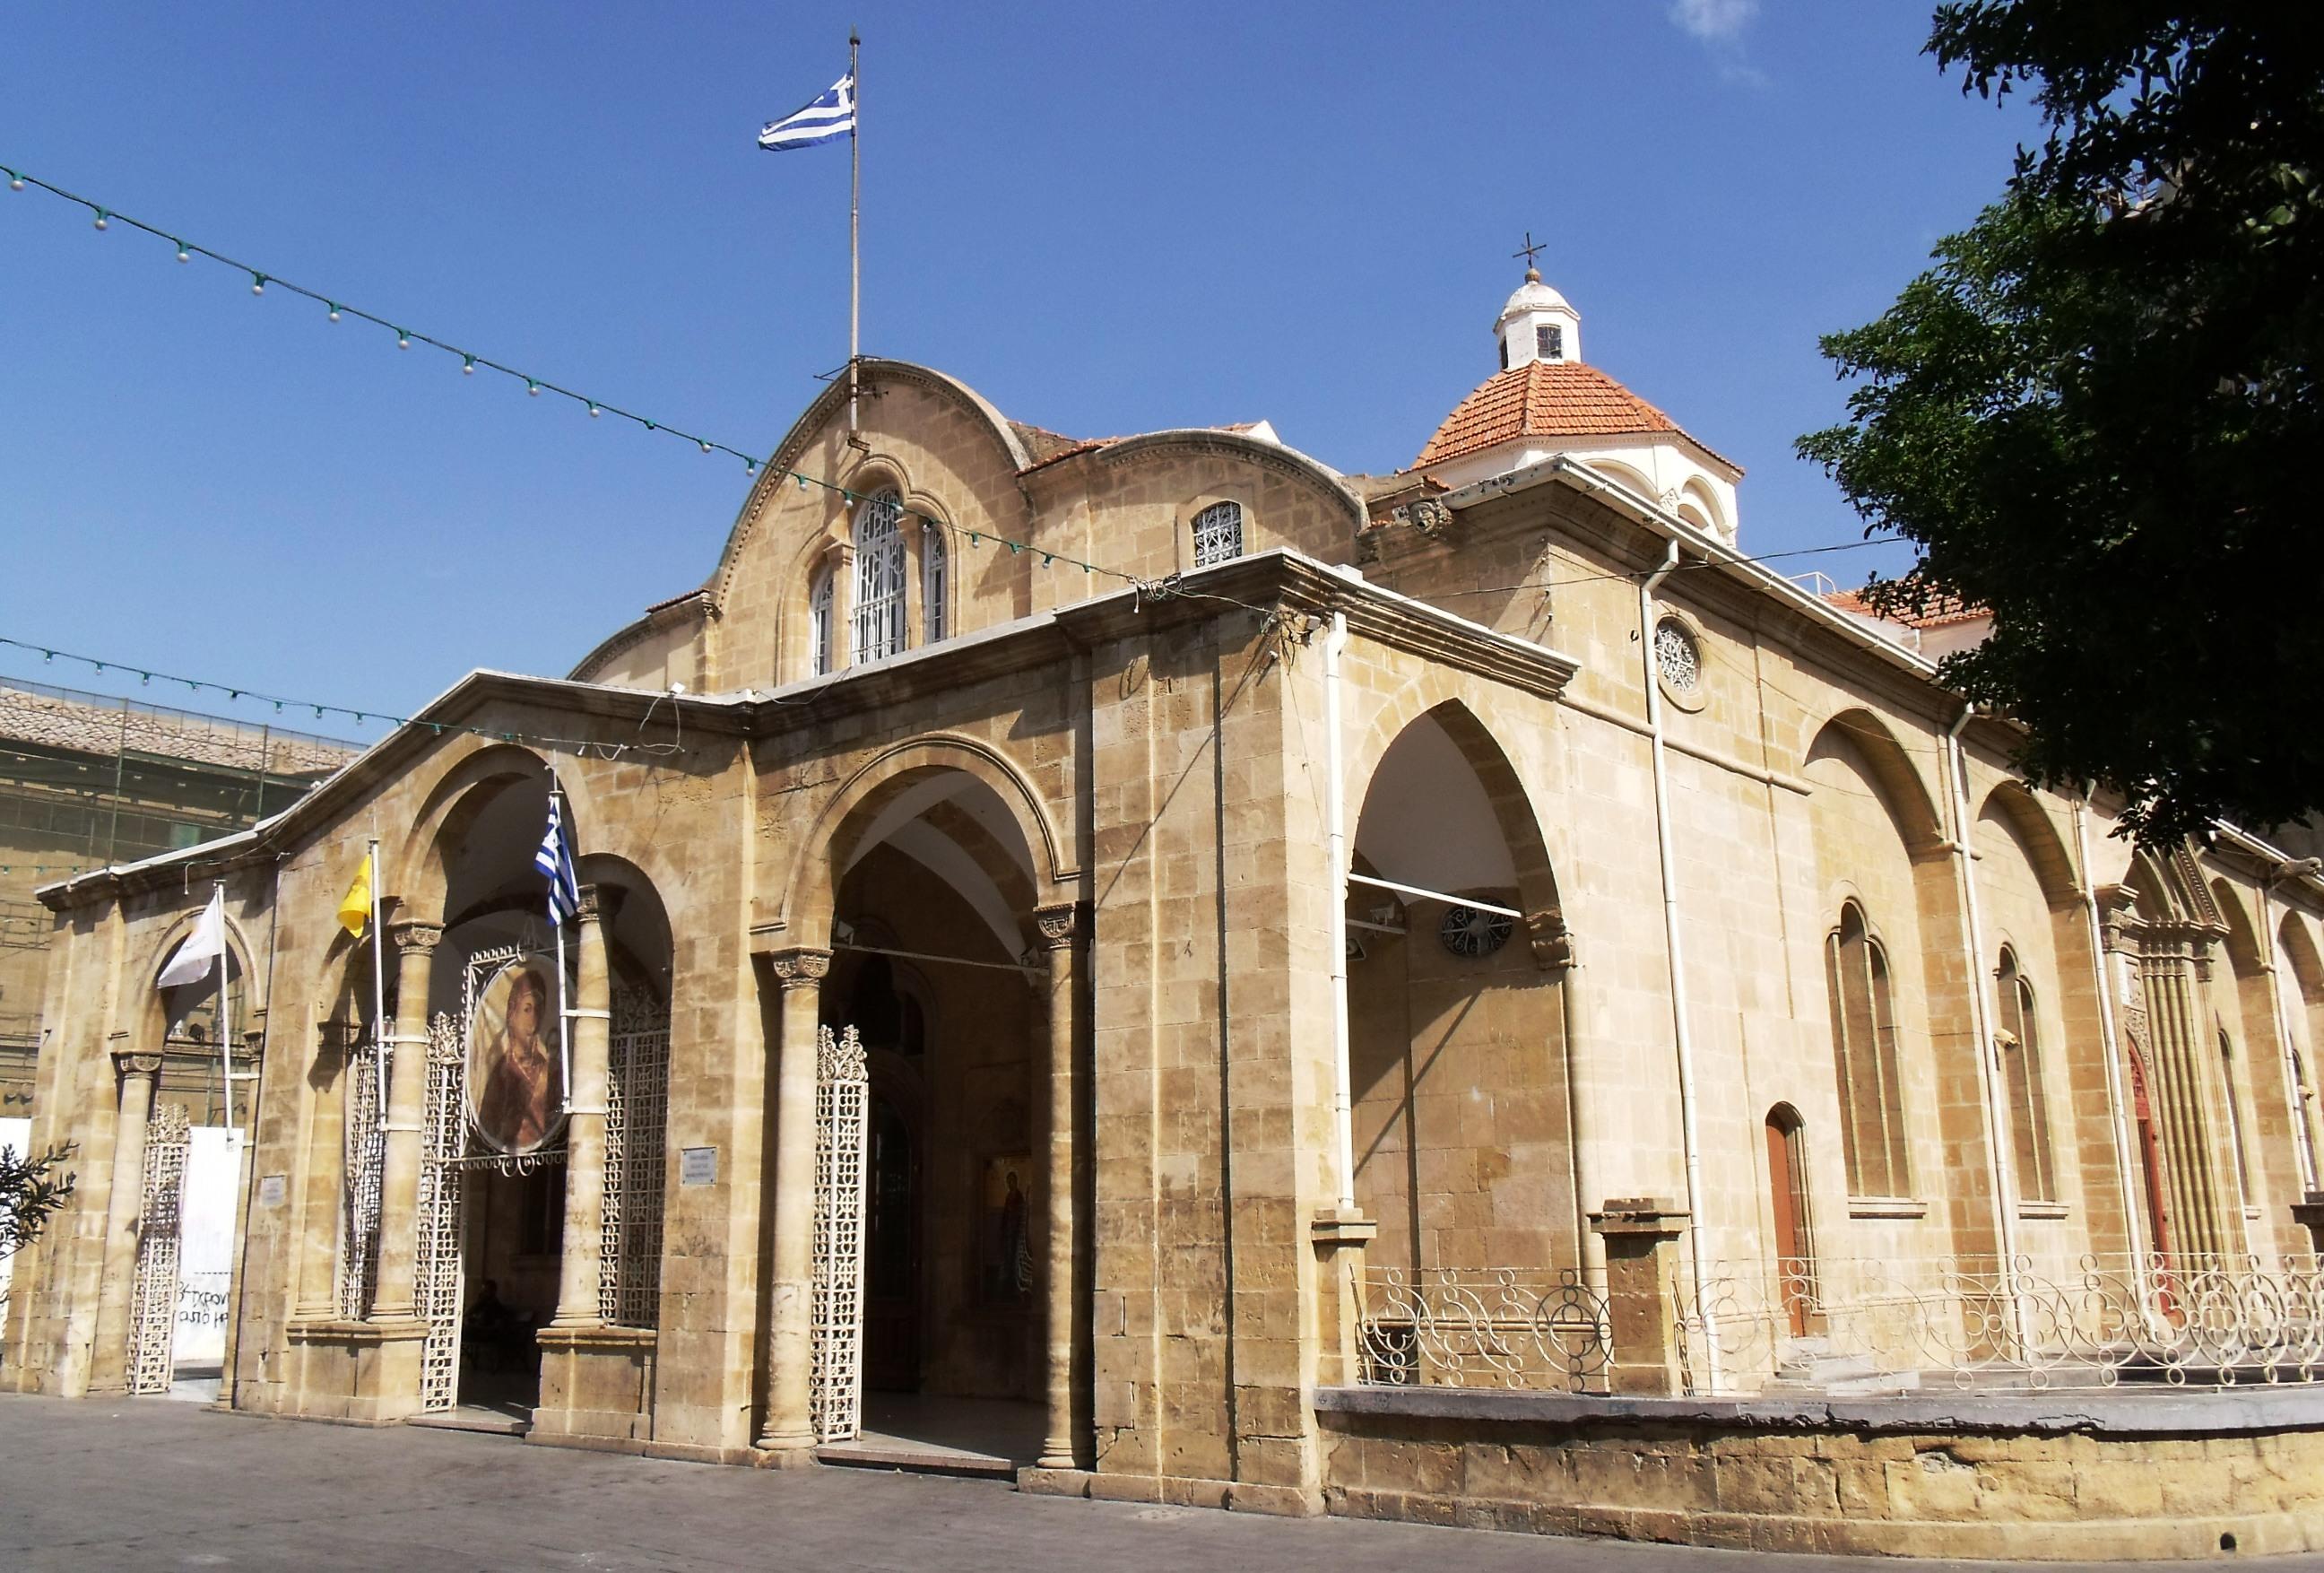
[412, 936]
[129, 1062]
[1551, 941]
[588, 909]
[800, 968]
[1060, 926]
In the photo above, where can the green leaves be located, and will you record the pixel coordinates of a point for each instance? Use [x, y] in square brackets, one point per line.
[2098, 410]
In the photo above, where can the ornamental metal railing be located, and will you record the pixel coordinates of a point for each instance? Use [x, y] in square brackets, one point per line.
[1509, 1327]
[1987, 1324]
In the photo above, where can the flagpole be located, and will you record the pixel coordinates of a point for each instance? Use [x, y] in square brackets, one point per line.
[225, 1025]
[854, 223]
[557, 922]
[378, 989]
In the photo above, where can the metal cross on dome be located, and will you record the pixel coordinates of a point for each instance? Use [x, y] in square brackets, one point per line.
[1530, 250]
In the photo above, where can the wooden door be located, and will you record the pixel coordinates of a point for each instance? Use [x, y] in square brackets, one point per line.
[1794, 1276]
[891, 1255]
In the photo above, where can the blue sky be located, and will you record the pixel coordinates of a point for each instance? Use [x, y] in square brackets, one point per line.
[1106, 218]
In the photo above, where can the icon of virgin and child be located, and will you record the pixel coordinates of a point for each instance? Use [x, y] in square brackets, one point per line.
[515, 1088]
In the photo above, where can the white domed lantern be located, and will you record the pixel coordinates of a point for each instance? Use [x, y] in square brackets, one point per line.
[1537, 324]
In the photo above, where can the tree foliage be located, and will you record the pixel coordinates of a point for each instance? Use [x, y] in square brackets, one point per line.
[2098, 414]
[31, 1192]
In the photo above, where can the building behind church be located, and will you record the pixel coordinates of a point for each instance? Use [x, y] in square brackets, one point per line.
[1453, 994]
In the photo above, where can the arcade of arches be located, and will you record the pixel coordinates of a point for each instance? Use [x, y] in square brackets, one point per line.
[1215, 948]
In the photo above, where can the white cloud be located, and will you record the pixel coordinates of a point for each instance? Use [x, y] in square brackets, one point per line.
[1714, 21]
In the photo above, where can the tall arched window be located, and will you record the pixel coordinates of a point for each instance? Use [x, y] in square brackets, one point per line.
[2019, 1039]
[880, 627]
[1218, 533]
[1864, 1054]
[935, 562]
[2303, 1136]
[818, 623]
[2235, 1115]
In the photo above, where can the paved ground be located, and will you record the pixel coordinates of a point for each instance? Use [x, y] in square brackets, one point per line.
[154, 1484]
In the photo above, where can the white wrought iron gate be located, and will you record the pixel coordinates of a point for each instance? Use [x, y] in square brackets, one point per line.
[436, 1282]
[154, 1304]
[843, 1108]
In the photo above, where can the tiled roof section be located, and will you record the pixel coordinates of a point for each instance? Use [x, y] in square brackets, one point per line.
[1544, 398]
[1940, 612]
[52, 721]
[1043, 444]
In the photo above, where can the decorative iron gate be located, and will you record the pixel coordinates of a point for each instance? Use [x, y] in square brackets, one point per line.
[365, 1149]
[443, 1138]
[154, 1304]
[636, 1100]
[842, 1121]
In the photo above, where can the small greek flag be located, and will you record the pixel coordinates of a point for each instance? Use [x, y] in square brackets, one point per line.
[827, 119]
[555, 859]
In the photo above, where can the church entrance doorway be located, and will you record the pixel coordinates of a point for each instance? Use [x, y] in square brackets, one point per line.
[1787, 1197]
[891, 1253]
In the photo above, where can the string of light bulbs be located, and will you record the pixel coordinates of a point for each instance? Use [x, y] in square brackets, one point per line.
[337, 309]
[284, 704]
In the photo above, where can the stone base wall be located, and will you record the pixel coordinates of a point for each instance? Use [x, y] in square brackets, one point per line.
[2059, 1485]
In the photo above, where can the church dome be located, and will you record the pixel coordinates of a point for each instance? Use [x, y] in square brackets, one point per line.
[1543, 399]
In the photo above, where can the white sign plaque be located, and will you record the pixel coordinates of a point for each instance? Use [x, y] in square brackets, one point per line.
[697, 1166]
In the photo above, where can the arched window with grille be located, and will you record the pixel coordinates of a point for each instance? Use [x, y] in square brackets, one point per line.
[2019, 1039]
[1218, 533]
[1864, 1055]
[818, 623]
[2233, 1104]
[936, 564]
[879, 626]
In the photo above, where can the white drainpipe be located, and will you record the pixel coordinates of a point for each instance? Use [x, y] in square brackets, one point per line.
[1997, 1114]
[1335, 836]
[1688, 1128]
[2125, 1140]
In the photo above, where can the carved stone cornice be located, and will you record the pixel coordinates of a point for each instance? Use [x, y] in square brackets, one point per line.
[1061, 926]
[2118, 905]
[800, 966]
[412, 935]
[132, 1062]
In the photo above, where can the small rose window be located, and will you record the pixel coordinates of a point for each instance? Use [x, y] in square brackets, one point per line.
[1676, 657]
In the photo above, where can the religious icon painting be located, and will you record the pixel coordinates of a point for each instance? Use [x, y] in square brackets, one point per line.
[1004, 1228]
[516, 1090]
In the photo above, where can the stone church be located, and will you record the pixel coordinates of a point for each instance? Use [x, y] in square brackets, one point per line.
[1454, 995]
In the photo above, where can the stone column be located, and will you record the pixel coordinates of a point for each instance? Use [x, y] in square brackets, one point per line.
[592, 1030]
[407, 1091]
[790, 1328]
[1641, 1235]
[1061, 933]
[109, 1361]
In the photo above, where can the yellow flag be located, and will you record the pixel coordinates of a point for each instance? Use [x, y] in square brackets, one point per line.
[355, 907]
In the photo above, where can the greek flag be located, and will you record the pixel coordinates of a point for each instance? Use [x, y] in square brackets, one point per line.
[555, 859]
[827, 119]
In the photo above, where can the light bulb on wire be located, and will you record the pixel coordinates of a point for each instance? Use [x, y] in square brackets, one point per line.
[16, 182]
[183, 254]
[101, 216]
[258, 284]
[403, 339]
[335, 310]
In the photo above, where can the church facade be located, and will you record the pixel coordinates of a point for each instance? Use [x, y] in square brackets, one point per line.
[1311, 947]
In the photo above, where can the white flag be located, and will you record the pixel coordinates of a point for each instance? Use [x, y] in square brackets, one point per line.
[197, 958]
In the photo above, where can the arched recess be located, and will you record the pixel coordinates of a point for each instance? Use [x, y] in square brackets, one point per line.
[184, 1022]
[1880, 841]
[1456, 1036]
[635, 929]
[448, 823]
[923, 875]
[2300, 988]
[1505, 794]
[893, 789]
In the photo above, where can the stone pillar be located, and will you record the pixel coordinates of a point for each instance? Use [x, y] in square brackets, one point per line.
[1061, 933]
[790, 1327]
[1641, 1237]
[109, 1361]
[407, 1091]
[592, 1030]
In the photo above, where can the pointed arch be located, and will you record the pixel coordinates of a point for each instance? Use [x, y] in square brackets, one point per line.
[829, 846]
[1861, 737]
[2045, 849]
[1514, 813]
